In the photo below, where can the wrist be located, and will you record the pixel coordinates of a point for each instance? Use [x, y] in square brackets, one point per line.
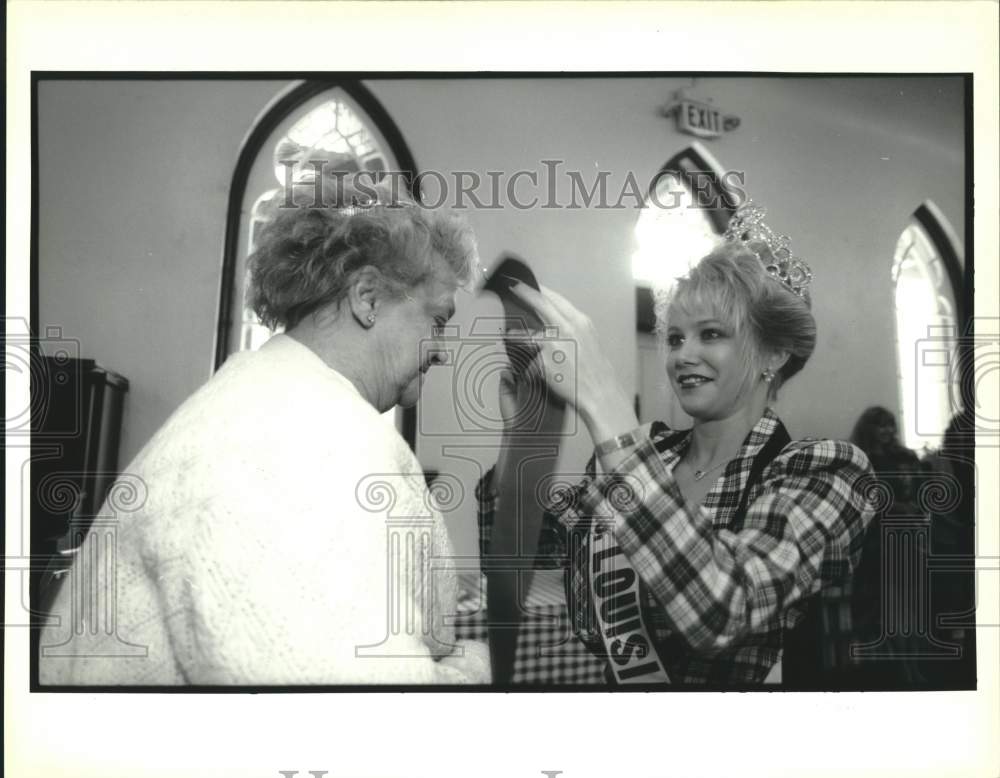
[608, 416]
[625, 441]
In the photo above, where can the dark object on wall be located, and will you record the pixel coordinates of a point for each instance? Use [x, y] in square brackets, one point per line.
[645, 315]
[532, 450]
[76, 417]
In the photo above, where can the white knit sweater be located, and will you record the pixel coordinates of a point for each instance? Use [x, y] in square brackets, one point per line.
[261, 552]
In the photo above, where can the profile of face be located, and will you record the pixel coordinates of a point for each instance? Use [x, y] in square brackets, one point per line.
[705, 364]
[407, 329]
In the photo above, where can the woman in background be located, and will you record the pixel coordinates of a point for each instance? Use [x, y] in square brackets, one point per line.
[692, 552]
[260, 555]
[876, 434]
[915, 631]
[898, 471]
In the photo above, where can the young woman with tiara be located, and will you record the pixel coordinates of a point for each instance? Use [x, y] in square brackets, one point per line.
[692, 553]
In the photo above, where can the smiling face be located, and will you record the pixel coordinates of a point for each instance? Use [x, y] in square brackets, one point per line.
[408, 329]
[707, 363]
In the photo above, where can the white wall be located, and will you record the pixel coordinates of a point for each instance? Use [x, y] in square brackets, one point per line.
[134, 180]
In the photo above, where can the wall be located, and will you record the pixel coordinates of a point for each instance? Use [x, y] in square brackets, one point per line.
[133, 182]
[134, 179]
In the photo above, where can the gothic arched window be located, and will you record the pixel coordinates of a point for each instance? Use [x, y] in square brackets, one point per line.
[926, 275]
[687, 209]
[328, 126]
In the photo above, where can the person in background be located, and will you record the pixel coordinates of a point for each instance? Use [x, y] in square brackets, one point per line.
[260, 555]
[956, 458]
[877, 596]
[876, 433]
[691, 553]
[949, 497]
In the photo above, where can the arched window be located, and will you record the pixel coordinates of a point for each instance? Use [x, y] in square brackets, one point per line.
[687, 209]
[341, 126]
[327, 126]
[927, 281]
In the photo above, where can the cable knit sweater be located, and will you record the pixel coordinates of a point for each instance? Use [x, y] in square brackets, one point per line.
[260, 551]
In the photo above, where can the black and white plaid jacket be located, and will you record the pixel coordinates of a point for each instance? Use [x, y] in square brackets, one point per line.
[719, 588]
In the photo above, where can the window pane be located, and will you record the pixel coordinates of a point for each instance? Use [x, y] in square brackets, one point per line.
[672, 233]
[331, 133]
[926, 332]
[331, 137]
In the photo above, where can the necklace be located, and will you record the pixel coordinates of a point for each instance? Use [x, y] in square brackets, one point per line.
[699, 474]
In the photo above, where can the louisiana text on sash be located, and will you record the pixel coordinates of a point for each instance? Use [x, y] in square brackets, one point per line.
[614, 587]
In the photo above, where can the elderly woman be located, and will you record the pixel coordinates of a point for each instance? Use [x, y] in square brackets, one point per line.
[691, 552]
[278, 490]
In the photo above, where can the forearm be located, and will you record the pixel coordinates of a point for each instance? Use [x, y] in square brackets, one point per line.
[715, 584]
[710, 585]
[705, 580]
[699, 576]
[607, 416]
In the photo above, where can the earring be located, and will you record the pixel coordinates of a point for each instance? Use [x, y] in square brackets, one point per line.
[371, 318]
[768, 376]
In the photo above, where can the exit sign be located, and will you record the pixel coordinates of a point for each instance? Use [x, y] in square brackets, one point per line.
[699, 119]
[696, 117]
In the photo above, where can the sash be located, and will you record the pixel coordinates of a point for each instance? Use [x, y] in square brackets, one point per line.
[614, 589]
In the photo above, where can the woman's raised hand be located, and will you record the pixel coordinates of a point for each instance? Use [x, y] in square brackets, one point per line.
[573, 364]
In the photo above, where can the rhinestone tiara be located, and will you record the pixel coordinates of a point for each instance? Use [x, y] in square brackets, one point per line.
[747, 226]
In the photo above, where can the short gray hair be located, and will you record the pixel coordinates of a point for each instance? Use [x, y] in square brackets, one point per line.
[308, 254]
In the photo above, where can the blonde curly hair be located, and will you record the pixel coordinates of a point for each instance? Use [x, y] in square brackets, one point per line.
[732, 283]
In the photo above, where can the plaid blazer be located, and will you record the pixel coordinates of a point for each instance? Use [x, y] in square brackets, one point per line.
[718, 588]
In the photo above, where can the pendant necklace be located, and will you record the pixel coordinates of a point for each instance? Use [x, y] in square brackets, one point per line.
[699, 474]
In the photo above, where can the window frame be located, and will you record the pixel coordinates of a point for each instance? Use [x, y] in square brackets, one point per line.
[685, 164]
[280, 109]
[937, 230]
[934, 223]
